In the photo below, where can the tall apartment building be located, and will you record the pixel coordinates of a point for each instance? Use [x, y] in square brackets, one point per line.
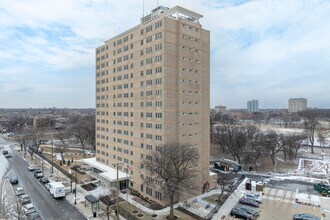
[253, 105]
[297, 105]
[152, 88]
[220, 109]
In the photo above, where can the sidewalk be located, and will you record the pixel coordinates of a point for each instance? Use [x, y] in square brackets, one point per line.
[231, 201]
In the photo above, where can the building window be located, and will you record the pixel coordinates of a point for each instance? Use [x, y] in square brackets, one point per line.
[149, 39]
[149, 61]
[158, 24]
[149, 28]
[158, 36]
[158, 58]
[149, 50]
[158, 47]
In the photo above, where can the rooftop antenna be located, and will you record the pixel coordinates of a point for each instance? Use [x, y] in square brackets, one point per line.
[143, 8]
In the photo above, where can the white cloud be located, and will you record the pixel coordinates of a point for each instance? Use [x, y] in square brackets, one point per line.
[257, 46]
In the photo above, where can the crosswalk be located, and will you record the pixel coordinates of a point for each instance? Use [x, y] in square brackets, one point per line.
[280, 195]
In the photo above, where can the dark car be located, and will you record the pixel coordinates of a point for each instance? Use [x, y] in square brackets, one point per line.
[305, 216]
[13, 179]
[253, 211]
[44, 180]
[250, 202]
[4, 152]
[239, 213]
[24, 199]
[34, 216]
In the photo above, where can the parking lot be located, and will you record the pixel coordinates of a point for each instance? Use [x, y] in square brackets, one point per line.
[279, 204]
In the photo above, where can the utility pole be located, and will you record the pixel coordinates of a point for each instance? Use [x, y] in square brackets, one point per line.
[52, 154]
[117, 199]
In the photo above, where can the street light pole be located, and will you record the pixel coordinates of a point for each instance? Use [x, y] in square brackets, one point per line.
[52, 154]
[75, 187]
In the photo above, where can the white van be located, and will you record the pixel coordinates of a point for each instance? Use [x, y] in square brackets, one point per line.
[57, 189]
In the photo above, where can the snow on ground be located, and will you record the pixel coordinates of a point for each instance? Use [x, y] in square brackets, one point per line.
[9, 200]
[314, 166]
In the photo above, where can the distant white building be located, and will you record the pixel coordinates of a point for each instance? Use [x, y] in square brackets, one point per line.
[297, 105]
[253, 105]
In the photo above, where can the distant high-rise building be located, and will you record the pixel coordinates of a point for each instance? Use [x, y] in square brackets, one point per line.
[152, 89]
[297, 105]
[253, 105]
[220, 109]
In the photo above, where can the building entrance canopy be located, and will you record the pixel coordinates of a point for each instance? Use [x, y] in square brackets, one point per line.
[107, 172]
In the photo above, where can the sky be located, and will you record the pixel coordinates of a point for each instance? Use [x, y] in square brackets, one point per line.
[269, 50]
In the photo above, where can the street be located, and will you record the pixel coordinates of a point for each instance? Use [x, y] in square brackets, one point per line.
[48, 207]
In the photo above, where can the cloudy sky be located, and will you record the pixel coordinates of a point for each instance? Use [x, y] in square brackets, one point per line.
[270, 50]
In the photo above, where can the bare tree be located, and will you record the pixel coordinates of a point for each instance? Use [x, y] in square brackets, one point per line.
[36, 138]
[22, 139]
[224, 180]
[321, 137]
[253, 136]
[235, 140]
[84, 131]
[172, 164]
[271, 143]
[108, 197]
[296, 142]
[310, 122]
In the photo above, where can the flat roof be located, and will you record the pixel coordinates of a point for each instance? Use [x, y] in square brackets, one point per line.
[108, 172]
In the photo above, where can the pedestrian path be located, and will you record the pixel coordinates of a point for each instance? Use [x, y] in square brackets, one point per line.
[230, 202]
[279, 194]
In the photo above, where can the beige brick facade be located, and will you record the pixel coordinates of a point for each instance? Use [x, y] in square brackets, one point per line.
[152, 88]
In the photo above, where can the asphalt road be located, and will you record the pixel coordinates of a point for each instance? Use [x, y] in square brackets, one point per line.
[48, 207]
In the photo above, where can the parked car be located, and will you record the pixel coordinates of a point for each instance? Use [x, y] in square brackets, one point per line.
[47, 185]
[44, 180]
[7, 156]
[34, 216]
[38, 173]
[4, 152]
[253, 211]
[13, 179]
[31, 167]
[28, 209]
[19, 191]
[254, 197]
[24, 199]
[305, 216]
[239, 213]
[250, 202]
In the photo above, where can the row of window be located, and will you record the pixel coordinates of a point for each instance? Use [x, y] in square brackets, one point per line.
[151, 60]
[190, 28]
[151, 38]
[123, 40]
[102, 73]
[149, 93]
[150, 82]
[157, 195]
[151, 104]
[152, 137]
[149, 50]
[102, 49]
[103, 57]
[123, 68]
[123, 104]
[149, 28]
[149, 72]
